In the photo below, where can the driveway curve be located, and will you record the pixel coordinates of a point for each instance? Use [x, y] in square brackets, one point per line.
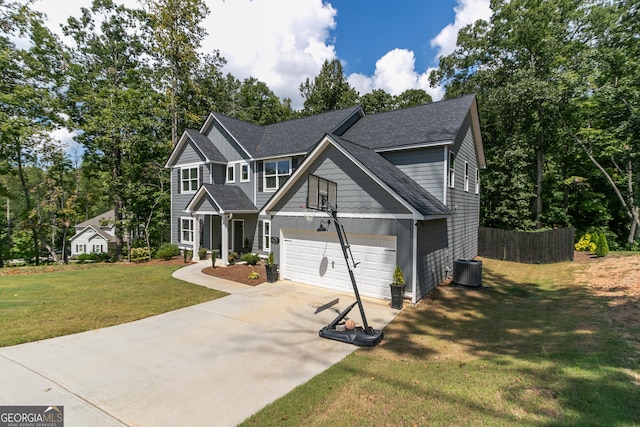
[212, 364]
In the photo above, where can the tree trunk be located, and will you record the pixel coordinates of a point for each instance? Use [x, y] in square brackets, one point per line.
[27, 200]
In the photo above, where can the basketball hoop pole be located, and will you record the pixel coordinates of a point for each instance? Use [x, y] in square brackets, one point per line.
[359, 336]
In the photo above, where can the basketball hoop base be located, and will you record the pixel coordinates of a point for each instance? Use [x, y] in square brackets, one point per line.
[358, 336]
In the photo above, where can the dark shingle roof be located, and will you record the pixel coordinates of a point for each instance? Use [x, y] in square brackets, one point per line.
[97, 220]
[421, 200]
[438, 121]
[292, 136]
[229, 198]
[205, 146]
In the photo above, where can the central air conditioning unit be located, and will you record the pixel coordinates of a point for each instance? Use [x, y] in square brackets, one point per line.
[467, 272]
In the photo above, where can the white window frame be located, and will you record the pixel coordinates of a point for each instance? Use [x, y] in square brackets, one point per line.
[466, 176]
[192, 183]
[231, 179]
[277, 175]
[97, 249]
[452, 169]
[245, 167]
[477, 181]
[266, 235]
[190, 229]
[81, 248]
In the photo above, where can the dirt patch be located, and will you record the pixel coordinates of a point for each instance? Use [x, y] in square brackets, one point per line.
[617, 278]
[239, 273]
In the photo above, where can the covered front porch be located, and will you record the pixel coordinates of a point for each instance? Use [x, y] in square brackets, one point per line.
[224, 220]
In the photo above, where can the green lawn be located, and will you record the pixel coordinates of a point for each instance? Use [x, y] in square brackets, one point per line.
[53, 301]
[532, 348]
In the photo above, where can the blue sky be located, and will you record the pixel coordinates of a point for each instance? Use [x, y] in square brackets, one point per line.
[382, 44]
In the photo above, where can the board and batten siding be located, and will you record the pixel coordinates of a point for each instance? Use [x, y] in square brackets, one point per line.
[426, 166]
[225, 143]
[463, 226]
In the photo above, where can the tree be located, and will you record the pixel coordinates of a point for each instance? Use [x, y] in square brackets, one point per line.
[178, 35]
[514, 64]
[329, 90]
[377, 101]
[29, 91]
[112, 97]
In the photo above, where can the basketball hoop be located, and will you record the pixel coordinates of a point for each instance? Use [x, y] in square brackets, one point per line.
[309, 214]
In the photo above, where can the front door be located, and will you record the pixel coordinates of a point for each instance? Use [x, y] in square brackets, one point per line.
[238, 235]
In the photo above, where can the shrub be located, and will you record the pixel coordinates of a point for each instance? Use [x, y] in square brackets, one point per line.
[232, 258]
[251, 259]
[254, 275]
[167, 251]
[602, 249]
[202, 253]
[87, 257]
[398, 277]
[585, 243]
[139, 254]
[270, 260]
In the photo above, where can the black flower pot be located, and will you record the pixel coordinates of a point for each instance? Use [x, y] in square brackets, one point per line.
[272, 273]
[397, 296]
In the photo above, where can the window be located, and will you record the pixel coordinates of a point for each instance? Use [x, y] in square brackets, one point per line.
[186, 230]
[244, 173]
[80, 249]
[321, 191]
[452, 169]
[276, 172]
[266, 235]
[477, 181]
[466, 176]
[231, 174]
[97, 249]
[189, 179]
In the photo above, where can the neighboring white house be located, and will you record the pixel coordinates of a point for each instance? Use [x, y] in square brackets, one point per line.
[96, 235]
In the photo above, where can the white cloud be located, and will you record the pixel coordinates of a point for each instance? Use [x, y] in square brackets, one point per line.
[467, 12]
[280, 42]
[395, 72]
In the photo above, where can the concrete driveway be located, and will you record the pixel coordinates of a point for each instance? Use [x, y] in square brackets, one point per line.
[212, 364]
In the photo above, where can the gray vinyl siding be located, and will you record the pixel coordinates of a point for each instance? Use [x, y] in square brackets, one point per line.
[218, 173]
[357, 192]
[426, 166]
[189, 155]
[433, 256]
[225, 144]
[463, 226]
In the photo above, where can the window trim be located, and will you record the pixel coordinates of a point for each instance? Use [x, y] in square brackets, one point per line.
[190, 179]
[191, 229]
[477, 181]
[231, 168]
[452, 169]
[277, 175]
[466, 176]
[266, 235]
[242, 169]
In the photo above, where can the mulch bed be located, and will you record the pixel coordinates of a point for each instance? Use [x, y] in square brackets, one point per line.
[239, 273]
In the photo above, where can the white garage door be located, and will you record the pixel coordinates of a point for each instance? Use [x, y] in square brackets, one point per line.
[316, 258]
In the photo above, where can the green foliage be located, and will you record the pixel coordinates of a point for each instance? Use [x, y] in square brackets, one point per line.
[251, 259]
[232, 258]
[202, 253]
[398, 277]
[602, 248]
[329, 90]
[270, 260]
[139, 254]
[585, 244]
[254, 275]
[167, 251]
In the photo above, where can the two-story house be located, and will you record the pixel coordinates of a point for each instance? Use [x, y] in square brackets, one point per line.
[406, 185]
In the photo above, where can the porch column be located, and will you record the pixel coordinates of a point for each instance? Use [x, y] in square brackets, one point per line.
[196, 238]
[224, 244]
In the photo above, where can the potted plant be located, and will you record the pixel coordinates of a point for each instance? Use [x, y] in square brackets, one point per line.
[272, 269]
[232, 258]
[397, 289]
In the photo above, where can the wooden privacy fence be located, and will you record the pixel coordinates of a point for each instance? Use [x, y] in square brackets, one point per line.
[527, 247]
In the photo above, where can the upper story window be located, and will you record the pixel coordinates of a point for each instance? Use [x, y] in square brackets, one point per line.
[231, 174]
[466, 176]
[276, 172]
[189, 179]
[452, 169]
[244, 173]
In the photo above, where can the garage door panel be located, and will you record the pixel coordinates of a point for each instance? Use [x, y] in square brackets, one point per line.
[323, 261]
